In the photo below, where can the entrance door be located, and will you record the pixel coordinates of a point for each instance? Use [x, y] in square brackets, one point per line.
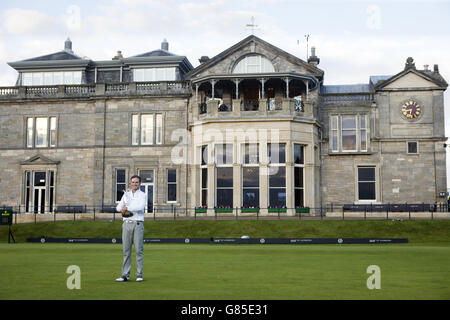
[39, 191]
[147, 185]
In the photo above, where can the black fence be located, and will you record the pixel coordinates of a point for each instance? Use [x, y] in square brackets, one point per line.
[331, 211]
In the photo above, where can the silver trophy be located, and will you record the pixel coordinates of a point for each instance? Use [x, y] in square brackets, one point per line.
[125, 202]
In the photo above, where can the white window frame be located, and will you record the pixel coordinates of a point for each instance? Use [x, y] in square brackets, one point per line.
[40, 78]
[203, 167]
[264, 64]
[339, 129]
[375, 167]
[117, 183]
[299, 165]
[219, 165]
[278, 164]
[157, 129]
[151, 74]
[31, 135]
[250, 165]
[172, 183]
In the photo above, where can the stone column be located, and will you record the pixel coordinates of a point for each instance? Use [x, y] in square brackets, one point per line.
[236, 107]
[236, 81]
[211, 188]
[287, 80]
[237, 192]
[262, 87]
[290, 203]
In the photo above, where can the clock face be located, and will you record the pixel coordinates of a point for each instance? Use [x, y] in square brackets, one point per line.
[411, 109]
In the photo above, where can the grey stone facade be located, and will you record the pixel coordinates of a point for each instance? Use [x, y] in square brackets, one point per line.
[94, 132]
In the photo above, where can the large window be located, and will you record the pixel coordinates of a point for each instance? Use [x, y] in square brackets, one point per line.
[366, 183]
[224, 175]
[250, 175]
[39, 193]
[348, 133]
[41, 132]
[143, 128]
[204, 176]
[154, 74]
[299, 164]
[171, 185]
[121, 184]
[51, 78]
[277, 175]
[254, 64]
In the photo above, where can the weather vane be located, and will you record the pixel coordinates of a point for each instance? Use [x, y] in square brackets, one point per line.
[252, 25]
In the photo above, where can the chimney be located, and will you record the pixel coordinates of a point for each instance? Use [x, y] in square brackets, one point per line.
[436, 68]
[203, 59]
[118, 56]
[165, 45]
[68, 46]
[313, 59]
[425, 67]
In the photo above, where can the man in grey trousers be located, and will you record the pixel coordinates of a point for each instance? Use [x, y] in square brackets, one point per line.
[132, 207]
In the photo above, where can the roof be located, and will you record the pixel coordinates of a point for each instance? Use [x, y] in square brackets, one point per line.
[374, 79]
[346, 88]
[61, 55]
[155, 53]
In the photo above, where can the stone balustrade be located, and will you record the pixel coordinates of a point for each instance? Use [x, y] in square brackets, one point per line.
[98, 89]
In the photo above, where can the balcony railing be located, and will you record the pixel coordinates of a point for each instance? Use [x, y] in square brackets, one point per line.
[347, 99]
[99, 89]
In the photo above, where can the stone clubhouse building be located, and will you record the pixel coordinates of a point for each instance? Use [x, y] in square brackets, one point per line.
[253, 128]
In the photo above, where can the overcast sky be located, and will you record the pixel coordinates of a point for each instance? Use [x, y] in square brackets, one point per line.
[353, 39]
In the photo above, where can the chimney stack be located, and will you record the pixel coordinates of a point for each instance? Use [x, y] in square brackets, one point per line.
[68, 46]
[165, 45]
[118, 56]
[313, 59]
[436, 68]
[425, 67]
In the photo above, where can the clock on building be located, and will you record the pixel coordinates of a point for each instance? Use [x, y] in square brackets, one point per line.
[411, 109]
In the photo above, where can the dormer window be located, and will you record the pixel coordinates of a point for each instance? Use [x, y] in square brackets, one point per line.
[254, 64]
[51, 78]
[154, 74]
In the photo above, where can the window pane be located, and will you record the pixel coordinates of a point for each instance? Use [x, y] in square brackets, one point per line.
[138, 75]
[224, 154]
[250, 198]
[30, 132]
[298, 154]
[159, 128]
[48, 78]
[225, 198]
[172, 192]
[171, 175]
[299, 202]
[57, 78]
[334, 142]
[412, 147]
[348, 122]
[27, 79]
[39, 178]
[120, 176]
[204, 198]
[276, 153]
[225, 177]
[250, 176]
[366, 174]
[204, 155]
[52, 179]
[37, 79]
[146, 176]
[362, 122]
[147, 129]
[120, 189]
[52, 131]
[204, 178]
[148, 74]
[277, 197]
[77, 77]
[278, 179]
[334, 123]
[349, 140]
[298, 177]
[41, 132]
[363, 140]
[135, 129]
[68, 77]
[170, 74]
[160, 74]
[366, 190]
[251, 154]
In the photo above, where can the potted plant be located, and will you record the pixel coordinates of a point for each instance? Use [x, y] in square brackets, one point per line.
[277, 209]
[250, 209]
[223, 209]
[202, 209]
[301, 209]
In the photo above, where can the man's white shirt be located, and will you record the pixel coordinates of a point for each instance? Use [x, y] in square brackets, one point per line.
[135, 203]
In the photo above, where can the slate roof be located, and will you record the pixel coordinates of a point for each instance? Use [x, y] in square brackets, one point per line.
[346, 88]
[61, 55]
[374, 79]
[155, 53]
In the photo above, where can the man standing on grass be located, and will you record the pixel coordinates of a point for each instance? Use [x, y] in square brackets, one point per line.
[132, 207]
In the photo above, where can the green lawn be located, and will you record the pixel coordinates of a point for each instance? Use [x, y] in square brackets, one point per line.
[38, 271]
[417, 270]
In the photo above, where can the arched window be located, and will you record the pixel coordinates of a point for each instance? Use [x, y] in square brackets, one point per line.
[254, 64]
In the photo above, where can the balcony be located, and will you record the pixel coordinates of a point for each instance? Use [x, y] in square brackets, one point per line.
[166, 88]
[218, 108]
